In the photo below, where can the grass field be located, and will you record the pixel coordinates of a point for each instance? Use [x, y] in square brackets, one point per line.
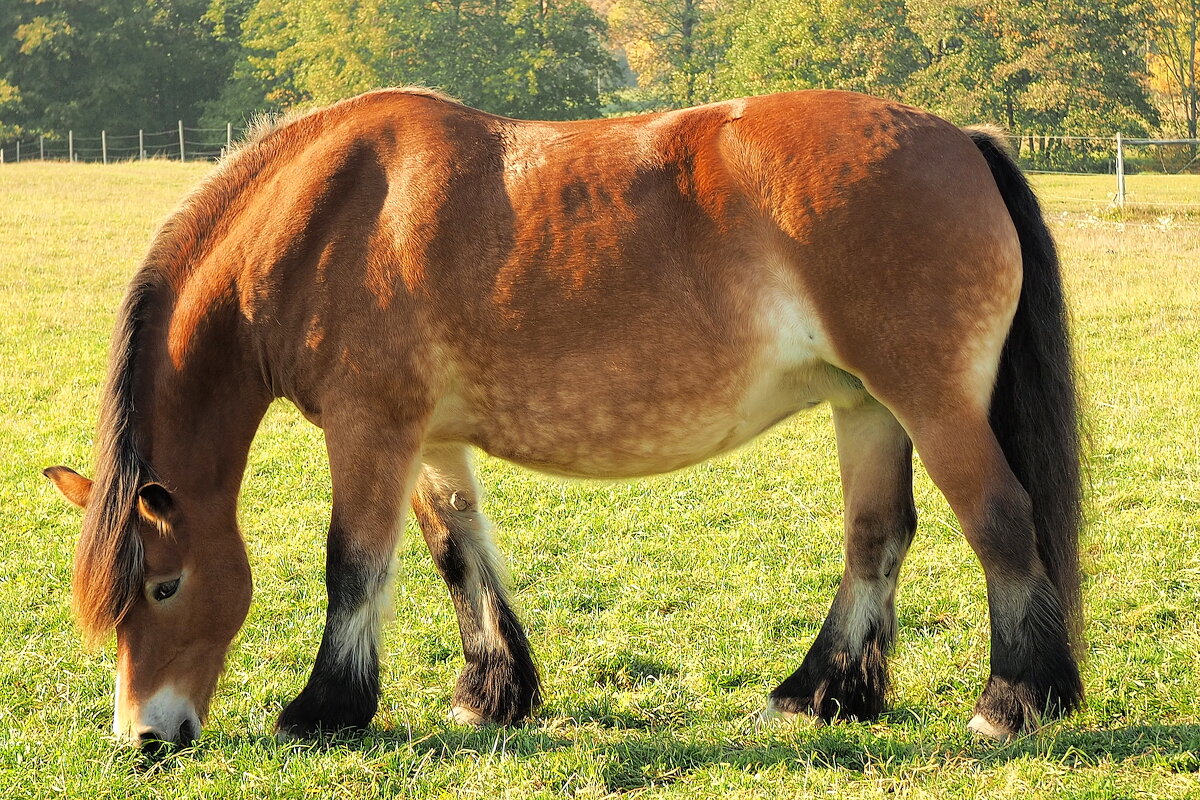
[662, 611]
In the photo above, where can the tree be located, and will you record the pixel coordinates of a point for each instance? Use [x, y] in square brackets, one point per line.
[1173, 58]
[559, 65]
[106, 64]
[673, 46]
[858, 45]
[1042, 66]
[539, 58]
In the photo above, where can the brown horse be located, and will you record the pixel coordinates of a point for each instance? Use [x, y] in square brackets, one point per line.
[607, 298]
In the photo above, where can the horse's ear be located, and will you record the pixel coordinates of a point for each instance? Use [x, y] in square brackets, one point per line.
[156, 505]
[73, 486]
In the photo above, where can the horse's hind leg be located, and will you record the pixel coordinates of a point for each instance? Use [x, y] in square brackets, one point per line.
[845, 671]
[499, 683]
[373, 471]
[1033, 670]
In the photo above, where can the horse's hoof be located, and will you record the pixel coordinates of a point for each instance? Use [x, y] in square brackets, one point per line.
[287, 736]
[982, 726]
[460, 715]
[774, 715]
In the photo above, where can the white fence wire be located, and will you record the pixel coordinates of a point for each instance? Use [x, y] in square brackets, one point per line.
[181, 143]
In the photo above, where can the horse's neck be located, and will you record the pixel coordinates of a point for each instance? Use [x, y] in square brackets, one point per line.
[202, 397]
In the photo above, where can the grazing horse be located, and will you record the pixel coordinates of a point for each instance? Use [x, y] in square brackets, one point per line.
[608, 298]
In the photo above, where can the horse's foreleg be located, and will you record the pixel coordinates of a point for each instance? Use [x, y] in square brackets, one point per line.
[373, 471]
[499, 683]
[844, 673]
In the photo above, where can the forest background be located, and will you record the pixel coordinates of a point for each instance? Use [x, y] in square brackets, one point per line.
[1045, 67]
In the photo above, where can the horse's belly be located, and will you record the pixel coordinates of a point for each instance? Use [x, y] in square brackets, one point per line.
[630, 450]
[624, 407]
[591, 431]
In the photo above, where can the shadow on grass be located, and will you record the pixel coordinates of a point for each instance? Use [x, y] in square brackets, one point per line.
[648, 757]
[663, 758]
[1178, 746]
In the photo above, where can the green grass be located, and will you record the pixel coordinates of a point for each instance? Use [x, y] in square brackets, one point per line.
[662, 611]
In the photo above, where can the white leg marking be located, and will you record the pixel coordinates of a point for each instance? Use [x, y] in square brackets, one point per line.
[356, 640]
[773, 716]
[868, 608]
[465, 716]
[451, 482]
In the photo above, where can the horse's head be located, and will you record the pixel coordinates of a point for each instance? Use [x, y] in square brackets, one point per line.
[174, 581]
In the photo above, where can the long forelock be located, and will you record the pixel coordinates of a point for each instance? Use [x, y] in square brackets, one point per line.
[108, 556]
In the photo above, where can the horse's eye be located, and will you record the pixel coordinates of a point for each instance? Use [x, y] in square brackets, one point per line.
[165, 589]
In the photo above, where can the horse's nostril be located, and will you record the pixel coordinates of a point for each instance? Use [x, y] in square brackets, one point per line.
[153, 744]
[188, 733]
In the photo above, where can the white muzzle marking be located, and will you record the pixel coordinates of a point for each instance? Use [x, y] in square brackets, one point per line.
[162, 717]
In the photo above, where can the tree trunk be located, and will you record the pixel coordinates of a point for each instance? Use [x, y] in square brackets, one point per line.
[687, 29]
[1192, 100]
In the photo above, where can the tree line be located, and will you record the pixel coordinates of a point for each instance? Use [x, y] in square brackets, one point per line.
[1033, 66]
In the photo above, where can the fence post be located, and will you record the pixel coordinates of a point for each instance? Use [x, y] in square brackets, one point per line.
[1120, 173]
[71, 147]
[18, 151]
[1, 155]
[42, 148]
[141, 145]
[104, 146]
[228, 135]
[181, 156]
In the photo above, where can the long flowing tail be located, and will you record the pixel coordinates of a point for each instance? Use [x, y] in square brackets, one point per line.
[1034, 410]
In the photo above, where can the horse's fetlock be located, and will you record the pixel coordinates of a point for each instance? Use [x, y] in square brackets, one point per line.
[833, 684]
[499, 687]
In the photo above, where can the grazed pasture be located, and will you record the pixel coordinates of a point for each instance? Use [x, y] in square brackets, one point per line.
[662, 611]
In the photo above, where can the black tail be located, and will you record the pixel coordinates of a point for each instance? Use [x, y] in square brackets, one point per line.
[1034, 409]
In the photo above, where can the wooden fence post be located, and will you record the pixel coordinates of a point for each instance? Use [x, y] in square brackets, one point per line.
[141, 145]
[228, 135]
[182, 158]
[71, 146]
[1120, 173]
[42, 148]
[104, 146]
[18, 151]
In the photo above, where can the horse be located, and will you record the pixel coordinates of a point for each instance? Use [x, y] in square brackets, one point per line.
[600, 299]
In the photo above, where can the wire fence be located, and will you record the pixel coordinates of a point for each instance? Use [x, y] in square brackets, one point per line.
[181, 143]
[1083, 155]
[1114, 156]
[1106, 155]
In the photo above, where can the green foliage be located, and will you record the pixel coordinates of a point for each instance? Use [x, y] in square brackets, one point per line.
[115, 64]
[536, 58]
[1173, 60]
[1035, 66]
[859, 45]
[674, 47]
[1044, 66]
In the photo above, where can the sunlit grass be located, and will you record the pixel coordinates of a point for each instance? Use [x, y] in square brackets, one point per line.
[662, 611]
